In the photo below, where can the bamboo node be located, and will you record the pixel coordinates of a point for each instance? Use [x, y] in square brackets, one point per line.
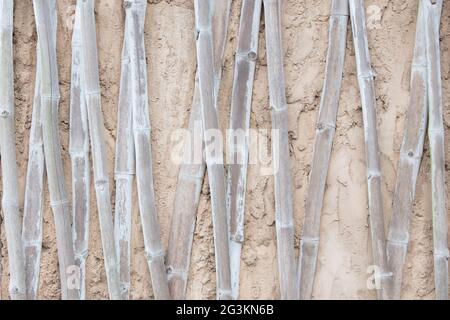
[442, 253]
[92, 93]
[398, 243]
[59, 203]
[127, 4]
[310, 240]
[5, 114]
[153, 256]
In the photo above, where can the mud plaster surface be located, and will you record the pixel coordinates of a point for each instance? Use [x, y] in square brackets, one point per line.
[345, 250]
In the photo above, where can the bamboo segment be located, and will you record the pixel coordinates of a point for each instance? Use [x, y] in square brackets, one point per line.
[326, 128]
[44, 10]
[124, 171]
[10, 200]
[214, 157]
[367, 90]
[280, 149]
[142, 130]
[241, 104]
[96, 130]
[79, 154]
[410, 158]
[192, 170]
[433, 10]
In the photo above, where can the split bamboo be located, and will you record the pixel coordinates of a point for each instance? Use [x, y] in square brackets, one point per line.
[79, 155]
[244, 74]
[326, 128]
[44, 10]
[10, 200]
[192, 169]
[410, 159]
[433, 10]
[214, 157]
[124, 170]
[96, 129]
[142, 135]
[368, 99]
[280, 148]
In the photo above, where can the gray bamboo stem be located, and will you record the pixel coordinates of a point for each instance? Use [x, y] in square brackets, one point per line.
[10, 200]
[244, 74]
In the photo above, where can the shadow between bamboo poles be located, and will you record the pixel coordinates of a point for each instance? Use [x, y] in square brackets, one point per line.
[242, 94]
[325, 130]
[433, 11]
[52, 146]
[10, 200]
[367, 91]
[287, 270]
[410, 159]
[96, 130]
[192, 169]
[79, 156]
[214, 159]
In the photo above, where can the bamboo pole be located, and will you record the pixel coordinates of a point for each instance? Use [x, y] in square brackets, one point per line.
[433, 10]
[326, 128]
[124, 170]
[142, 134]
[192, 170]
[244, 74]
[44, 10]
[410, 158]
[96, 128]
[368, 99]
[280, 141]
[10, 200]
[79, 155]
[214, 157]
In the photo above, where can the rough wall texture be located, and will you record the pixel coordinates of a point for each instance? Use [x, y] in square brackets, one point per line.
[345, 250]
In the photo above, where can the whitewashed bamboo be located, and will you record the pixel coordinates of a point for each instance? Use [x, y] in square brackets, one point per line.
[368, 99]
[410, 158]
[325, 130]
[10, 200]
[124, 169]
[44, 10]
[241, 103]
[79, 155]
[283, 181]
[214, 157]
[433, 10]
[96, 130]
[192, 170]
[142, 135]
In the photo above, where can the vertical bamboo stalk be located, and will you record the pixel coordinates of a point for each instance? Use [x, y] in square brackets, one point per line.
[433, 10]
[192, 170]
[326, 128]
[124, 169]
[280, 142]
[410, 158]
[214, 157]
[79, 155]
[241, 103]
[10, 200]
[96, 130]
[142, 131]
[367, 90]
[44, 10]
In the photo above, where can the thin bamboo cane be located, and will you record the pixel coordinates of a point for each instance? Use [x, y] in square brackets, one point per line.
[244, 74]
[433, 10]
[326, 128]
[409, 163]
[124, 170]
[96, 130]
[142, 131]
[10, 200]
[214, 157]
[79, 154]
[367, 90]
[192, 170]
[280, 142]
[44, 10]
